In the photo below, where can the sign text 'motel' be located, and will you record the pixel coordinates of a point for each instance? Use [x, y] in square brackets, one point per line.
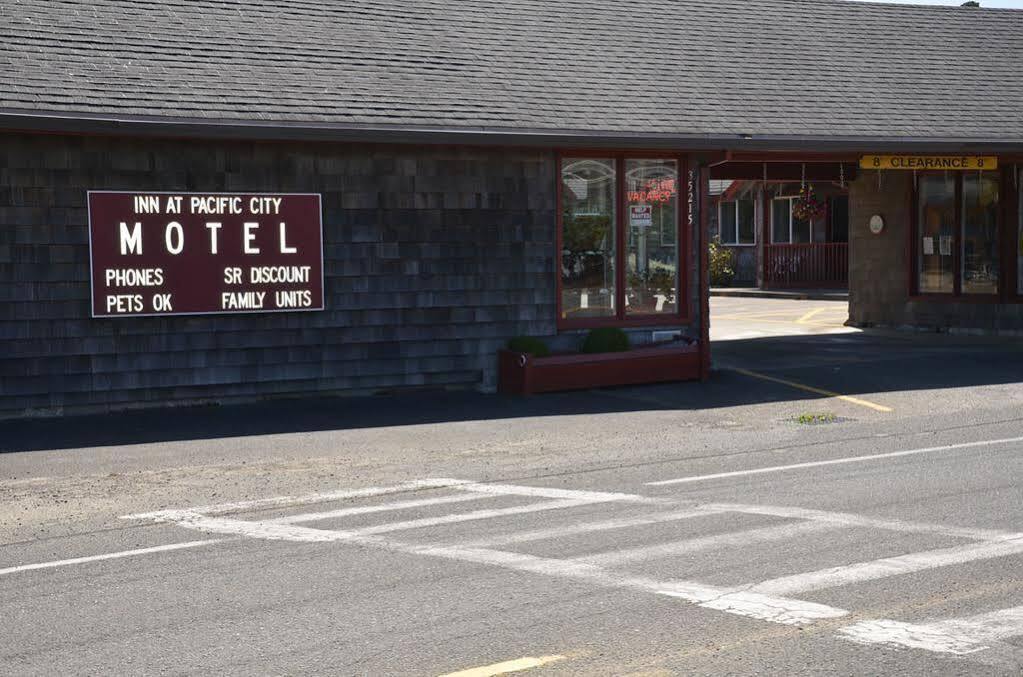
[203, 253]
[929, 162]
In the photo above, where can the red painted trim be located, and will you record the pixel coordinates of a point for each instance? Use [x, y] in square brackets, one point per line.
[621, 256]
[559, 244]
[684, 238]
[683, 314]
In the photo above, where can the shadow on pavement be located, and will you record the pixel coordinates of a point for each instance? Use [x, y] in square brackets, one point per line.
[857, 363]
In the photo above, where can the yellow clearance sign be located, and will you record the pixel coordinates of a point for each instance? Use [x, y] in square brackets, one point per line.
[929, 162]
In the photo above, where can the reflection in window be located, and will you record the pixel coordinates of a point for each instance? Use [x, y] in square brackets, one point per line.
[786, 228]
[936, 218]
[747, 222]
[651, 230]
[980, 234]
[839, 214]
[737, 221]
[588, 238]
[781, 217]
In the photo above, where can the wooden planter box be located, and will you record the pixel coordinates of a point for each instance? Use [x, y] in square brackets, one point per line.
[522, 374]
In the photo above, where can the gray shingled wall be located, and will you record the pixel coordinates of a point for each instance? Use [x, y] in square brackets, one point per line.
[434, 257]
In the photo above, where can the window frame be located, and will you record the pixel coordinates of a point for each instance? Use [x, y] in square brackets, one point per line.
[1007, 245]
[792, 220]
[735, 203]
[683, 312]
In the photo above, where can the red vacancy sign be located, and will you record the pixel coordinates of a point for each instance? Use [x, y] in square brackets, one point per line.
[204, 253]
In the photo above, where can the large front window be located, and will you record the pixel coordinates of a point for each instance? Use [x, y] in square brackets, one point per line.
[620, 232]
[957, 249]
[588, 241]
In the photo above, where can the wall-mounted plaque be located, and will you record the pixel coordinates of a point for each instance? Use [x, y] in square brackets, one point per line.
[158, 253]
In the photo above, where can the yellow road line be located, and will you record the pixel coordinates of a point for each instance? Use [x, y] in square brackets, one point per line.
[786, 322]
[810, 315]
[752, 315]
[508, 666]
[816, 391]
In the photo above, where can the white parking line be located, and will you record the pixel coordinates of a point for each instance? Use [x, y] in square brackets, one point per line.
[109, 555]
[887, 567]
[307, 499]
[837, 461]
[732, 539]
[470, 516]
[731, 600]
[956, 636]
[588, 528]
[854, 520]
[370, 509]
[546, 492]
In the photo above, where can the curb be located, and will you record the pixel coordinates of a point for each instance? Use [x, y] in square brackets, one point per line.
[809, 295]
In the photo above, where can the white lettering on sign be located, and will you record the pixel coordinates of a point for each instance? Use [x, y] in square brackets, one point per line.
[250, 237]
[168, 253]
[285, 249]
[131, 242]
[162, 303]
[147, 204]
[215, 204]
[130, 277]
[691, 196]
[232, 275]
[174, 237]
[293, 299]
[265, 205]
[214, 227]
[279, 274]
[125, 303]
[242, 300]
[641, 216]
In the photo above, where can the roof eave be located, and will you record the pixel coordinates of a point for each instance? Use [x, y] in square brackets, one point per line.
[140, 126]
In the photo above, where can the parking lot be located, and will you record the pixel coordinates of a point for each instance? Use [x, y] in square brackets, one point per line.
[831, 498]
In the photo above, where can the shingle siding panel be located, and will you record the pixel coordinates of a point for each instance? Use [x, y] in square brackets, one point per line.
[421, 301]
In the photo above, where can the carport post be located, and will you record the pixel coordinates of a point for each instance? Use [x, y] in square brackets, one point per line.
[702, 180]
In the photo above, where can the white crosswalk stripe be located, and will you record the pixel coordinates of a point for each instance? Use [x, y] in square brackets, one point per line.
[770, 600]
[956, 636]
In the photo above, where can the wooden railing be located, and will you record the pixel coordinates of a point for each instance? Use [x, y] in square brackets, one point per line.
[806, 265]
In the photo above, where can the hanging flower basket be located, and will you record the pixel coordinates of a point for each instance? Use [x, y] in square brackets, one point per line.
[808, 207]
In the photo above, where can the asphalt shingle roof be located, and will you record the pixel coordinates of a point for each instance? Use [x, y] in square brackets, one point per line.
[714, 68]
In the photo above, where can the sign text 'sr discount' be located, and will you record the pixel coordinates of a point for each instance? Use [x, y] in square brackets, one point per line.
[204, 253]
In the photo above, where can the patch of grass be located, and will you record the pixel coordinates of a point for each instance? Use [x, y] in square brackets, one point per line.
[816, 419]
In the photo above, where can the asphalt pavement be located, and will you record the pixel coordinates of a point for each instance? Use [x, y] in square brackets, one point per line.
[831, 502]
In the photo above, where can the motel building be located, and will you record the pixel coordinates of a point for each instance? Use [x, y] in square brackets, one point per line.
[213, 201]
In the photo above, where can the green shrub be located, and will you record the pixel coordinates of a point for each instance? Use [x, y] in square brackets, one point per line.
[529, 345]
[606, 340]
[722, 270]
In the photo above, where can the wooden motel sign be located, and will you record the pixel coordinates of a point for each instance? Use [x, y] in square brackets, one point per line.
[925, 163]
[154, 253]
